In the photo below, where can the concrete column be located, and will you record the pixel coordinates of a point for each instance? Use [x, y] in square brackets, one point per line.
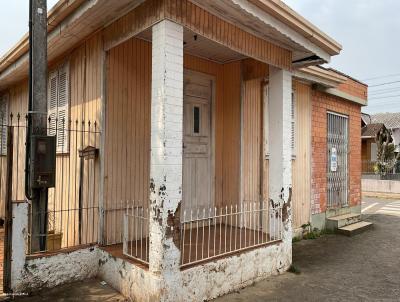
[280, 159]
[166, 148]
[19, 236]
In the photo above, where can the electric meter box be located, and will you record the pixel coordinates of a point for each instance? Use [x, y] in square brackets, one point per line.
[43, 161]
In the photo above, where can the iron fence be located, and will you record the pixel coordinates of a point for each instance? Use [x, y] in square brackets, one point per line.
[207, 234]
[136, 233]
[381, 170]
[72, 213]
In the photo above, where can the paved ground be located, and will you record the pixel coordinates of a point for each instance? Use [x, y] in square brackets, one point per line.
[88, 291]
[365, 267]
[381, 206]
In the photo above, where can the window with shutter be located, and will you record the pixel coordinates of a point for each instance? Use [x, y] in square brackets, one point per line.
[52, 103]
[58, 106]
[293, 124]
[63, 103]
[3, 123]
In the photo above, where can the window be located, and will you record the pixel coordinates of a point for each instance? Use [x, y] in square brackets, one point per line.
[3, 123]
[58, 106]
[293, 124]
[196, 119]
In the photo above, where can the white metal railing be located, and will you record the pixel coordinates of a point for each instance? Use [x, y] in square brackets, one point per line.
[215, 232]
[136, 233]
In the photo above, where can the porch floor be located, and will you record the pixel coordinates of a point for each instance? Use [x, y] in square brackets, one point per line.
[199, 244]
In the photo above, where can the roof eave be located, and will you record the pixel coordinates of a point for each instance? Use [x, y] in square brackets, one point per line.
[54, 16]
[284, 13]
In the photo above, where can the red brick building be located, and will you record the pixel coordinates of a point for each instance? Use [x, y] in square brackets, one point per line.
[338, 192]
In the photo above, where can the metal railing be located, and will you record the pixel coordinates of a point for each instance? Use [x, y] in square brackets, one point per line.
[66, 228]
[136, 233]
[380, 170]
[215, 232]
[72, 213]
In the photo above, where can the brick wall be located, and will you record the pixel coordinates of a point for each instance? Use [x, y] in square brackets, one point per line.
[321, 103]
[354, 88]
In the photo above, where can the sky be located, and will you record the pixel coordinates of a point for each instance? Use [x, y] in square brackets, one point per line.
[369, 31]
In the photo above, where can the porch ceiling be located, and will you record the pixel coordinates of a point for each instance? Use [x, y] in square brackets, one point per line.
[200, 46]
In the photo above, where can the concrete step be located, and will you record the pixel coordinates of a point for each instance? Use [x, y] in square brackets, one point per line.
[355, 228]
[336, 222]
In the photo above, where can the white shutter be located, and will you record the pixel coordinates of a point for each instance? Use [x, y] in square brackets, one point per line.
[52, 102]
[293, 124]
[63, 109]
[3, 123]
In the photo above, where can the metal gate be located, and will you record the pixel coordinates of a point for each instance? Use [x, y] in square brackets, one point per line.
[337, 170]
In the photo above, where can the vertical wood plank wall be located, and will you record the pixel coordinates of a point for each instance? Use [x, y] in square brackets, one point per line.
[231, 133]
[128, 112]
[301, 165]
[85, 105]
[127, 141]
[252, 140]
[128, 108]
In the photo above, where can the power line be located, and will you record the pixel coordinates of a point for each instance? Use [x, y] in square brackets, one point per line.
[385, 97]
[382, 77]
[384, 89]
[387, 83]
[384, 92]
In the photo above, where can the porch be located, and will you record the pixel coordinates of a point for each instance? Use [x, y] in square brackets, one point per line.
[202, 108]
[193, 164]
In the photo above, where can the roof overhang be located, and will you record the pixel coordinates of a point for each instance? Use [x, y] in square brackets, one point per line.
[284, 13]
[327, 80]
[319, 75]
[70, 21]
[274, 21]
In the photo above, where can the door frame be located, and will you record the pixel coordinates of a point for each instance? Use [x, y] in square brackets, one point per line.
[210, 77]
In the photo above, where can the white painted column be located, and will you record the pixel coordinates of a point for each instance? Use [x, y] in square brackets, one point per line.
[166, 147]
[280, 159]
[18, 253]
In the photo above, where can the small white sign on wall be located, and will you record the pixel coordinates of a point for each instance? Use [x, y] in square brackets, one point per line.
[333, 159]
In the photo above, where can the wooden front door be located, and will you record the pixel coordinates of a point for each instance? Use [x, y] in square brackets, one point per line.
[197, 134]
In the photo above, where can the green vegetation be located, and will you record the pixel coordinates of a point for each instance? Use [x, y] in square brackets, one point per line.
[295, 270]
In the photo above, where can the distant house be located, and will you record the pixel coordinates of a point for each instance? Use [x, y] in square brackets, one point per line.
[391, 122]
[368, 145]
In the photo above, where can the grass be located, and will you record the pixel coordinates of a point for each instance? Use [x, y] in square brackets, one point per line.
[294, 269]
[312, 234]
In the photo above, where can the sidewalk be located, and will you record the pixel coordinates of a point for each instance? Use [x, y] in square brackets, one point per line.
[365, 267]
[87, 291]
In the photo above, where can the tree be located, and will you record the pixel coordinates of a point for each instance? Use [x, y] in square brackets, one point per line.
[386, 156]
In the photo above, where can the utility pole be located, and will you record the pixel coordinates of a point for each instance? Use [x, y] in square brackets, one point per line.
[37, 118]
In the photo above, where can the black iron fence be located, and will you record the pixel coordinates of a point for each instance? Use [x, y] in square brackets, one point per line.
[380, 170]
[72, 213]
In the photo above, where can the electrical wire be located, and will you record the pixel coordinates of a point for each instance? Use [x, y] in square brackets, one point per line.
[382, 84]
